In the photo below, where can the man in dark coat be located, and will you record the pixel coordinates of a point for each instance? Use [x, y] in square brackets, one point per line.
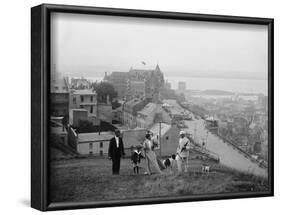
[115, 152]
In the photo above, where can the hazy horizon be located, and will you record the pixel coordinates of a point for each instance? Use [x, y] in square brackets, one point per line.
[90, 45]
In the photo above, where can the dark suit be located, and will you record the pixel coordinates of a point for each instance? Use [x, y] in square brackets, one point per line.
[115, 154]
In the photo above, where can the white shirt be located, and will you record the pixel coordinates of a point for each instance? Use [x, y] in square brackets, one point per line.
[117, 141]
[183, 147]
[147, 144]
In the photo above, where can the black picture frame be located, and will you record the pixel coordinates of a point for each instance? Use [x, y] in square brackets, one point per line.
[40, 76]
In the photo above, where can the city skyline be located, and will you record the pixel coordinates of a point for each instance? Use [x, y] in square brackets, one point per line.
[202, 84]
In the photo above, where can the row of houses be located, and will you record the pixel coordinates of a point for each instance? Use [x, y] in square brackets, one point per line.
[97, 144]
[141, 113]
[152, 113]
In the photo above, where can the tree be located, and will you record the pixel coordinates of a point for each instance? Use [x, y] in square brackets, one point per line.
[87, 127]
[103, 90]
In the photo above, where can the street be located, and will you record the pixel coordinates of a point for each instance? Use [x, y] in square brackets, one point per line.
[229, 155]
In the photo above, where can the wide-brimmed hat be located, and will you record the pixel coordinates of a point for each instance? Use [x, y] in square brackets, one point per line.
[182, 132]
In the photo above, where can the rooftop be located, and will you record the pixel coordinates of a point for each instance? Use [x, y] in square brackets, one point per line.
[119, 74]
[56, 117]
[134, 101]
[155, 129]
[144, 69]
[211, 118]
[148, 109]
[84, 110]
[84, 92]
[174, 107]
[94, 136]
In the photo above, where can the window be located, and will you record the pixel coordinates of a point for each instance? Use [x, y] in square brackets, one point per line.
[74, 100]
[101, 144]
[92, 98]
[167, 137]
[101, 153]
[91, 111]
[82, 98]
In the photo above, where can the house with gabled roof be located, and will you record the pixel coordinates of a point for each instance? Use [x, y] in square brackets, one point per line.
[151, 113]
[167, 136]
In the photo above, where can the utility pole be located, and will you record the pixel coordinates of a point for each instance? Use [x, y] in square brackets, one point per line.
[195, 131]
[207, 138]
[160, 147]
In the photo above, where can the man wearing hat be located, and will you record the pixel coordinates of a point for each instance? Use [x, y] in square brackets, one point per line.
[183, 152]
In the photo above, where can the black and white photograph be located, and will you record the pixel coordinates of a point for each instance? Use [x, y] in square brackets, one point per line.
[144, 108]
[140, 107]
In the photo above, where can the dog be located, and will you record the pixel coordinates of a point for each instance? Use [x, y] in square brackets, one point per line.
[170, 162]
[136, 159]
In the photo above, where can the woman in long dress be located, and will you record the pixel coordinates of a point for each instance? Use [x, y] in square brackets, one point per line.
[150, 155]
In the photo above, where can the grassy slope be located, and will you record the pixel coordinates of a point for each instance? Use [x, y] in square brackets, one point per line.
[91, 180]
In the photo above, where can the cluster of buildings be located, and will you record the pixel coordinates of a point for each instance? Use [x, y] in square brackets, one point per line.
[73, 103]
[80, 83]
[242, 119]
[251, 136]
[140, 93]
[139, 83]
[69, 102]
[147, 102]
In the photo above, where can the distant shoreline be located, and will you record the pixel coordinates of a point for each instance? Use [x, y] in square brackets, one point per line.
[215, 86]
[213, 92]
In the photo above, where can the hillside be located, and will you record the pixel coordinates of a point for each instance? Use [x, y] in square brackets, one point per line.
[91, 180]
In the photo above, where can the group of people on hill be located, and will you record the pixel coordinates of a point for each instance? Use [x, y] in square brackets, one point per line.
[147, 150]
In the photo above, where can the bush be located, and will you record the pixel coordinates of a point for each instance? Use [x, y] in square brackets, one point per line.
[88, 127]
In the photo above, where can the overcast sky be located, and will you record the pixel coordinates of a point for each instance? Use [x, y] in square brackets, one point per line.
[89, 45]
